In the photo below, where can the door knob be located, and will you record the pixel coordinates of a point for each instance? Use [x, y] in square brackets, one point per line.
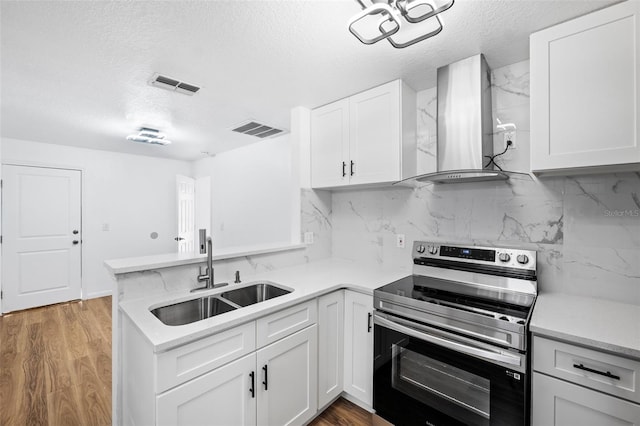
[75, 242]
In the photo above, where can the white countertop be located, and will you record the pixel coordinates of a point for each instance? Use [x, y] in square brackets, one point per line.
[307, 282]
[167, 260]
[598, 323]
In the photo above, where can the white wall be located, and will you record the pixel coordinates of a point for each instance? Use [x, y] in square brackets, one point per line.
[251, 194]
[133, 195]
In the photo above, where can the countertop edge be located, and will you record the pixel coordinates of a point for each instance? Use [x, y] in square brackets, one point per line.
[168, 260]
[599, 324]
[586, 342]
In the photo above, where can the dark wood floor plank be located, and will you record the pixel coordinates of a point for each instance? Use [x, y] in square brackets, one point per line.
[102, 315]
[59, 374]
[343, 413]
[13, 337]
[75, 338]
[35, 401]
[94, 406]
[87, 321]
[63, 408]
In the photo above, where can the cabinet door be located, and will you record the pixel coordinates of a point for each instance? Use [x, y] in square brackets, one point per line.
[374, 149]
[330, 145]
[222, 397]
[358, 346]
[287, 379]
[330, 346]
[558, 403]
[585, 88]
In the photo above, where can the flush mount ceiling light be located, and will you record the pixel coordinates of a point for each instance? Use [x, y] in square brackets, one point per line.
[401, 22]
[150, 136]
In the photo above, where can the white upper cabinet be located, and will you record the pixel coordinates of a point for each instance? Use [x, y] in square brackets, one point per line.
[585, 89]
[367, 139]
[330, 144]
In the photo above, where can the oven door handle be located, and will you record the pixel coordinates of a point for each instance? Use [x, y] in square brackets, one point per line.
[450, 344]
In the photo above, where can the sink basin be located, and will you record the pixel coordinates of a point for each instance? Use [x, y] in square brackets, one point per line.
[249, 295]
[192, 310]
[209, 306]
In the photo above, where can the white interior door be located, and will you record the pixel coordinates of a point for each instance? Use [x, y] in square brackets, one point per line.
[41, 250]
[186, 213]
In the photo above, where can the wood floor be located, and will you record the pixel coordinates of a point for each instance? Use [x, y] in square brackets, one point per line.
[55, 365]
[343, 413]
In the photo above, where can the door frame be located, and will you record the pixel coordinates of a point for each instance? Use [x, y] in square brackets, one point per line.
[38, 164]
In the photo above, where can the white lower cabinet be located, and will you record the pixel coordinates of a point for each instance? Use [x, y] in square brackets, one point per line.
[288, 383]
[577, 385]
[221, 397]
[277, 370]
[559, 403]
[358, 346]
[276, 385]
[330, 347]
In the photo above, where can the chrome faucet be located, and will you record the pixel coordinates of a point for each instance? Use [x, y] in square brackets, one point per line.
[208, 276]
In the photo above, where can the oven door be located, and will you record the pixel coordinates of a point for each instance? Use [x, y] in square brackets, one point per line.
[425, 376]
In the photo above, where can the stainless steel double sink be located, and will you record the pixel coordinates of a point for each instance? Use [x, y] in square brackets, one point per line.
[208, 306]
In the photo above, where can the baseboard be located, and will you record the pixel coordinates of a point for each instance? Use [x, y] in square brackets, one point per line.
[325, 406]
[98, 294]
[356, 401]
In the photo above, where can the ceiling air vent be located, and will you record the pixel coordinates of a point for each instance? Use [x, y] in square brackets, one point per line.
[259, 130]
[168, 83]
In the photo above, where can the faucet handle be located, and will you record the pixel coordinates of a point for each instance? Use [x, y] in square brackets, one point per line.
[203, 275]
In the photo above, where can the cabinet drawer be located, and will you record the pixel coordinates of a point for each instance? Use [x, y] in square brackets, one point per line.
[588, 367]
[186, 362]
[283, 323]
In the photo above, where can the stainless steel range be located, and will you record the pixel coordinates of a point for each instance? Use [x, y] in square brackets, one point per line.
[451, 339]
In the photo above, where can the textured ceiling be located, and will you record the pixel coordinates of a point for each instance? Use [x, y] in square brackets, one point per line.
[76, 72]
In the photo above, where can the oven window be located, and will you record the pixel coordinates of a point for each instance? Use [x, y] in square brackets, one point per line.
[441, 385]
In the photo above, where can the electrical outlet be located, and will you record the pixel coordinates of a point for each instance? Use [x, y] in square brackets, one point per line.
[510, 135]
[308, 237]
[400, 240]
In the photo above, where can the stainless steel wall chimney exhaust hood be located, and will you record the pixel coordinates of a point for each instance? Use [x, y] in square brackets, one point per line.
[465, 124]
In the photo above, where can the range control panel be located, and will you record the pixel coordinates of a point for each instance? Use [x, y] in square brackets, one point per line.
[496, 256]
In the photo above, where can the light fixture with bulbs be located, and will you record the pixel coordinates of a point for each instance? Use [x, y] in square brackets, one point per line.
[401, 22]
[150, 136]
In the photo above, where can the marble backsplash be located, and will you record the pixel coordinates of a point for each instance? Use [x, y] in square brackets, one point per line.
[586, 229]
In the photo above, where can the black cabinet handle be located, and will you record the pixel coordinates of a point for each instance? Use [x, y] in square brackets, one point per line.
[591, 370]
[369, 316]
[352, 164]
[253, 384]
[75, 242]
[266, 377]
[344, 169]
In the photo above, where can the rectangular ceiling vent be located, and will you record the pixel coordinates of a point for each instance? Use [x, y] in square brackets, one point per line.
[168, 83]
[259, 130]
